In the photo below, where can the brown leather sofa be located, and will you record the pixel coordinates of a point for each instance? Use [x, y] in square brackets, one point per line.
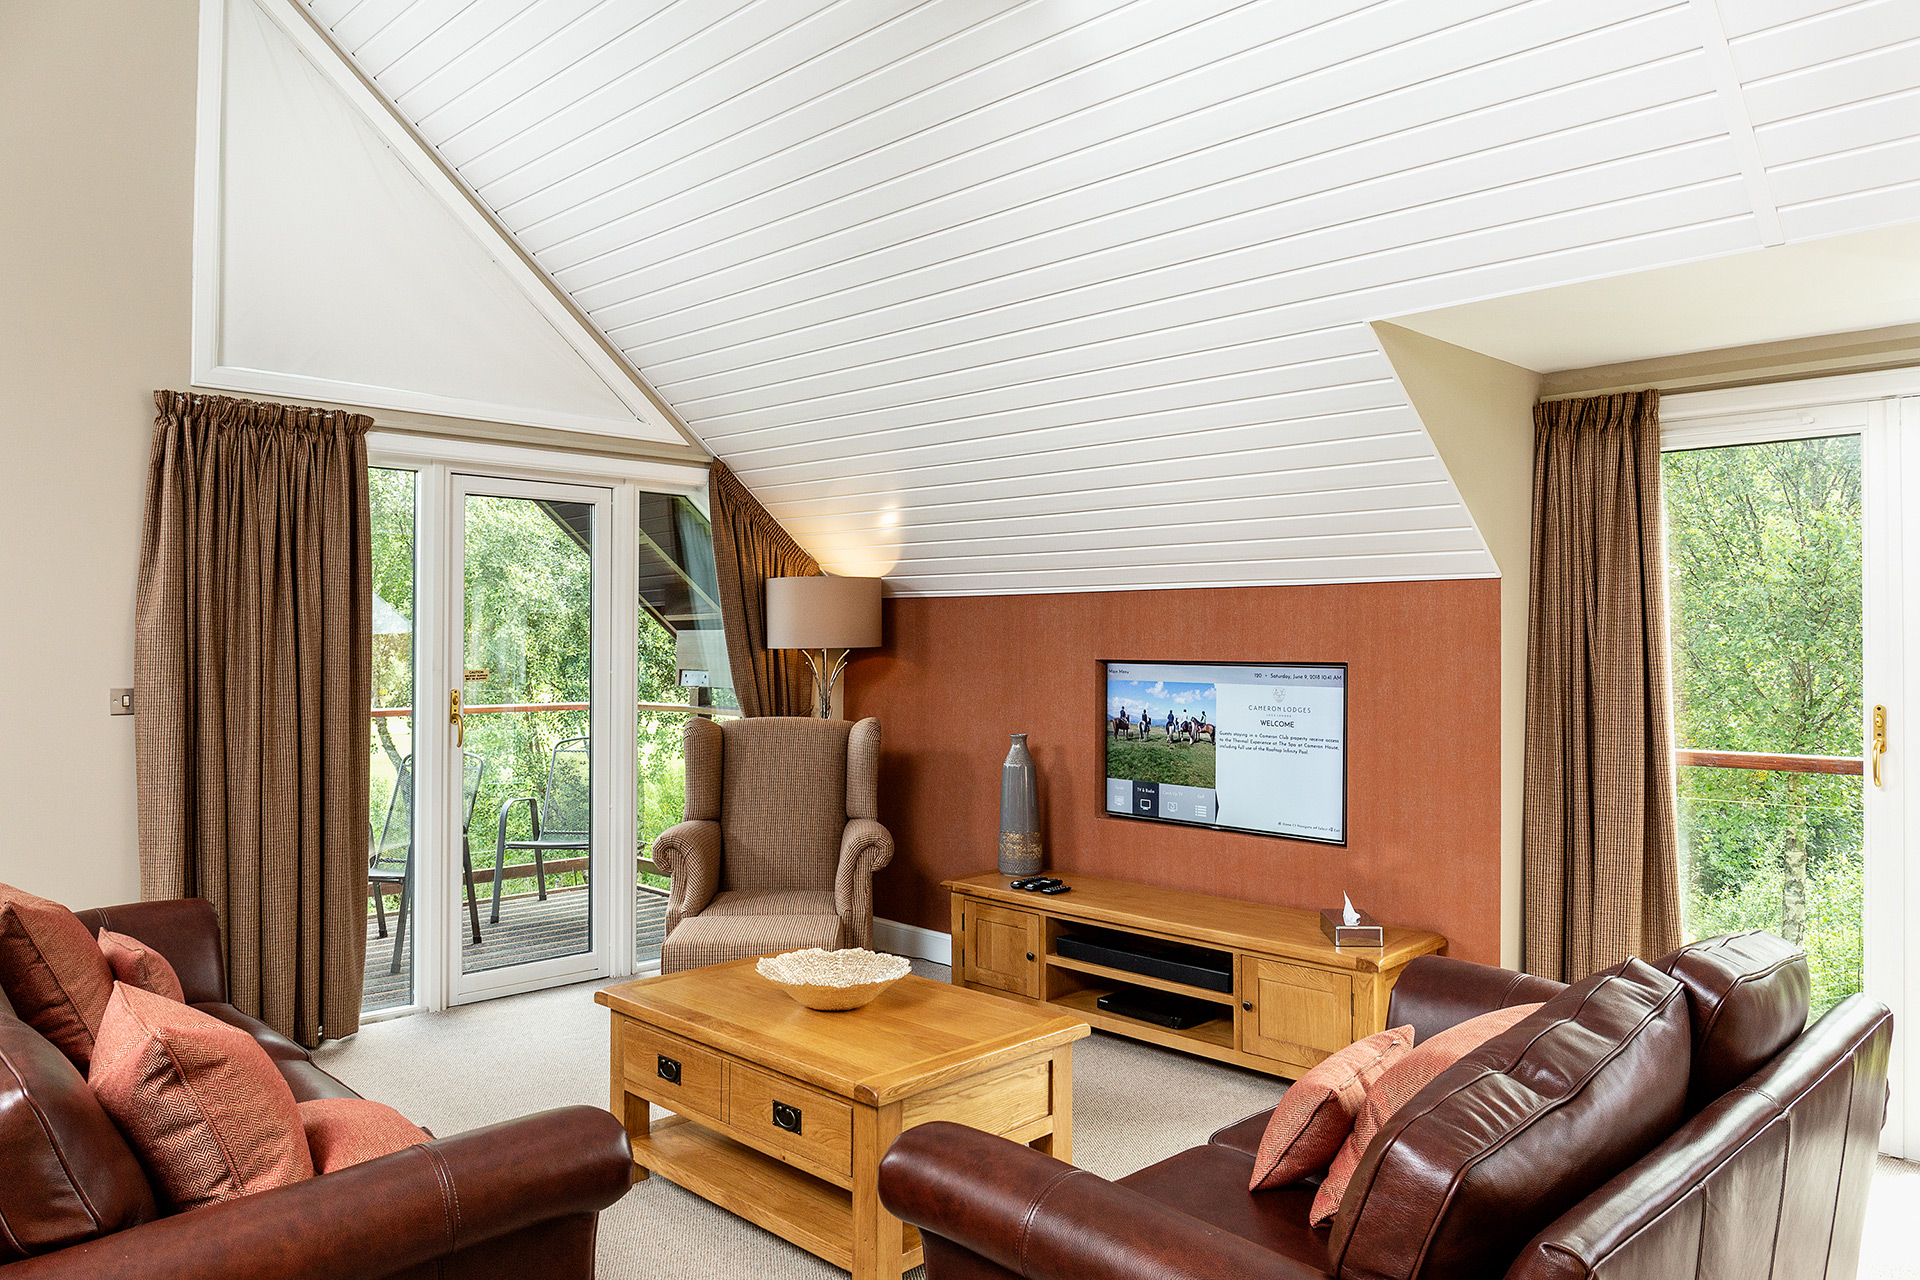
[516, 1199]
[1581, 1143]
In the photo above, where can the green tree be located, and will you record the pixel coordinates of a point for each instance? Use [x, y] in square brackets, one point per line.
[1765, 552]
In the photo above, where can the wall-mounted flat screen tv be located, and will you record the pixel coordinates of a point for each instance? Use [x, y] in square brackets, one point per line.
[1237, 746]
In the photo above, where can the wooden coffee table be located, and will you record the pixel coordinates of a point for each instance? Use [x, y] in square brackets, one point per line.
[781, 1113]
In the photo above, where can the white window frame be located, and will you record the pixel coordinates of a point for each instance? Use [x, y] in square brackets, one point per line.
[435, 461]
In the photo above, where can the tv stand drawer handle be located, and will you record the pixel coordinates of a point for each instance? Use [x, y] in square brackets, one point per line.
[786, 1116]
[669, 1069]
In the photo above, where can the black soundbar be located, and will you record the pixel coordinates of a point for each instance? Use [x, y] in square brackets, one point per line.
[1168, 961]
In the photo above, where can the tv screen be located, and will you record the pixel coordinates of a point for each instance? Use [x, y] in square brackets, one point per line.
[1237, 746]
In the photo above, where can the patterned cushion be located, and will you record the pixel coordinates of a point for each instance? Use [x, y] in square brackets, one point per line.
[771, 902]
[708, 939]
[200, 1103]
[350, 1131]
[137, 964]
[1396, 1088]
[53, 972]
[783, 802]
[1316, 1114]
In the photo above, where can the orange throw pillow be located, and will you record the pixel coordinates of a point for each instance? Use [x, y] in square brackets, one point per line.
[1316, 1114]
[349, 1131]
[53, 972]
[139, 965]
[199, 1101]
[1394, 1089]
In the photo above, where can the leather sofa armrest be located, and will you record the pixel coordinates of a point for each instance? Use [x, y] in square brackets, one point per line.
[184, 930]
[379, 1218]
[865, 847]
[1437, 992]
[1039, 1218]
[690, 855]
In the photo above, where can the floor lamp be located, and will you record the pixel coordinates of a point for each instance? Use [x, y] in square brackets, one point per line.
[823, 613]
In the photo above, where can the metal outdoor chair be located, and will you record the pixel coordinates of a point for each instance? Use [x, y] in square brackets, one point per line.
[558, 820]
[390, 861]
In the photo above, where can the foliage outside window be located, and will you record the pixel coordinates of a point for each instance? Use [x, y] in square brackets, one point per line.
[1764, 545]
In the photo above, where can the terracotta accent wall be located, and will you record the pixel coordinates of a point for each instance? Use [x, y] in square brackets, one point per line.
[958, 674]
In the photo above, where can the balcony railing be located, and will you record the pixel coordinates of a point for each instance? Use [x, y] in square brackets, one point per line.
[500, 708]
[1768, 760]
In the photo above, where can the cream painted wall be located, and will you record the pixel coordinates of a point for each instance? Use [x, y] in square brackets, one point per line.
[1479, 412]
[96, 211]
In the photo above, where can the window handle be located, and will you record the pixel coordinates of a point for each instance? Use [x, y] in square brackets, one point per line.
[454, 717]
[1879, 740]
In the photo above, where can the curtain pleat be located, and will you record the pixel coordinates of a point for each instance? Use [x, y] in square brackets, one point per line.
[1601, 845]
[749, 546]
[253, 661]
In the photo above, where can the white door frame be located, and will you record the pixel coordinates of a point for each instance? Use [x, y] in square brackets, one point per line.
[1884, 409]
[439, 914]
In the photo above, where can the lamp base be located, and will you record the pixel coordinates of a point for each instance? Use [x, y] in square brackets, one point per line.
[825, 676]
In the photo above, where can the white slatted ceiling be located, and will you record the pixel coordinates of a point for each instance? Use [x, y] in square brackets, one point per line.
[1834, 92]
[1068, 294]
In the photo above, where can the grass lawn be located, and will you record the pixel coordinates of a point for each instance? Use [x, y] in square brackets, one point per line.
[1157, 760]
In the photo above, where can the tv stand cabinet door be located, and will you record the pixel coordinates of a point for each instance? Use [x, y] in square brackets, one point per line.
[1001, 948]
[1299, 1014]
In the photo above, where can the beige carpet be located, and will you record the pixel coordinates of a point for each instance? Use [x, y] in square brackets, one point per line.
[1133, 1104]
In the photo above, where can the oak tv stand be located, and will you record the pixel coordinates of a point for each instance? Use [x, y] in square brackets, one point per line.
[1296, 997]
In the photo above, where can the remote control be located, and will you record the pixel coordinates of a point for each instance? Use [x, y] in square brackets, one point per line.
[1057, 888]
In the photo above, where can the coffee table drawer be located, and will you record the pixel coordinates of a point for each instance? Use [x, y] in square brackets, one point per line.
[792, 1117]
[673, 1073]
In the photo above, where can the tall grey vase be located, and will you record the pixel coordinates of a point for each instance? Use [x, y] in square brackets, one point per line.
[1019, 812]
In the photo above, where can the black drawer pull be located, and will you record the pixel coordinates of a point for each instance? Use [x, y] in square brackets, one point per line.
[786, 1117]
[669, 1070]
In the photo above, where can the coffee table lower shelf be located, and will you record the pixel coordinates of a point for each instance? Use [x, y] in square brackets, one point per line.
[801, 1209]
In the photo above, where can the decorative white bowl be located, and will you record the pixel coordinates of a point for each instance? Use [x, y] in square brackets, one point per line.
[833, 981]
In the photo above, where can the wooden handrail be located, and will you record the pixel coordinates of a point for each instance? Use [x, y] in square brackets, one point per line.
[1768, 760]
[497, 708]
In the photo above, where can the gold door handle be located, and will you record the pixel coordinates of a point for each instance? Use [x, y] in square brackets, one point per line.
[455, 717]
[1879, 740]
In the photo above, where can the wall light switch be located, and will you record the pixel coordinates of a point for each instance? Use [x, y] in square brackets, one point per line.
[122, 704]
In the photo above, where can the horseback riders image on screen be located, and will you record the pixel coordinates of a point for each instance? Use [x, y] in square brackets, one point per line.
[1240, 746]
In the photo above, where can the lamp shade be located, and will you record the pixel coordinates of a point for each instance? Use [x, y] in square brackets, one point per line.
[823, 612]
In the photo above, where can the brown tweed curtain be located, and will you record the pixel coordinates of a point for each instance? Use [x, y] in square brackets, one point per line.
[1602, 870]
[749, 546]
[253, 645]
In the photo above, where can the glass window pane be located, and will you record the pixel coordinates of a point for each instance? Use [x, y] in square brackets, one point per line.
[1764, 545]
[528, 690]
[389, 977]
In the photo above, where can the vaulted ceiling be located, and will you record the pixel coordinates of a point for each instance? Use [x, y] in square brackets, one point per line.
[1073, 294]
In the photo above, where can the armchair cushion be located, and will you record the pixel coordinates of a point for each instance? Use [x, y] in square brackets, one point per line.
[53, 972]
[783, 794]
[709, 939]
[771, 902]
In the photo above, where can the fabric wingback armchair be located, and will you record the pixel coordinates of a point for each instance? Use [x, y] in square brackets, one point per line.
[781, 839]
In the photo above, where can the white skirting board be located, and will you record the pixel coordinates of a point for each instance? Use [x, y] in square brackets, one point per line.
[912, 941]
